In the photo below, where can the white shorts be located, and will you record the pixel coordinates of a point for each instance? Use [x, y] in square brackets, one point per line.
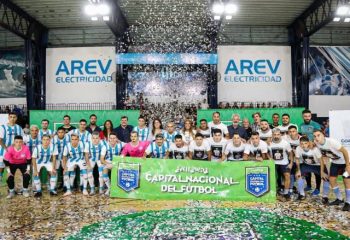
[48, 166]
[2, 164]
[58, 164]
[71, 165]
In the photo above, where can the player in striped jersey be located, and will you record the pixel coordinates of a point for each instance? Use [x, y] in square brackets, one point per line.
[45, 129]
[97, 151]
[158, 148]
[170, 133]
[113, 148]
[265, 132]
[75, 154]
[84, 135]
[60, 140]
[44, 156]
[32, 140]
[7, 134]
[142, 129]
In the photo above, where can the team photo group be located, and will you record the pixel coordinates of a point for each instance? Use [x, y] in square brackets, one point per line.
[80, 159]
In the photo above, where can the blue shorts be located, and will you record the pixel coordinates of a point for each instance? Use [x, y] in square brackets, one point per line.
[316, 169]
[337, 169]
[280, 169]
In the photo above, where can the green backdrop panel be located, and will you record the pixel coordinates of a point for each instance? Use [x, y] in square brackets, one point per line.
[266, 113]
[56, 116]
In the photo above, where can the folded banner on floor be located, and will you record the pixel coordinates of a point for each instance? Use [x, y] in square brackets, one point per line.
[156, 179]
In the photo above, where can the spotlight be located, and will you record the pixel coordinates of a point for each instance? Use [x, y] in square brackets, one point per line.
[230, 8]
[336, 19]
[94, 18]
[342, 10]
[347, 20]
[105, 18]
[217, 17]
[218, 8]
[90, 10]
[228, 17]
[103, 9]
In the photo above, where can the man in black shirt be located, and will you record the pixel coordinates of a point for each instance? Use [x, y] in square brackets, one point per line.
[66, 124]
[92, 126]
[236, 128]
[124, 130]
[275, 121]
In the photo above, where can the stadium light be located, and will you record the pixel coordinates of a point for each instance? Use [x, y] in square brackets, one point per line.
[105, 18]
[90, 10]
[218, 7]
[228, 17]
[103, 9]
[97, 9]
[342, 10]
[230, 8]
[336, 19]
[217, 17]
[224, 8]
[94, 18]
[347, 20]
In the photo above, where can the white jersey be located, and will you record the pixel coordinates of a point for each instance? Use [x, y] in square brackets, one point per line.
[205, 133]
[7, 134]
[170, 137]
[294, 143]
[96, 151]
[199, 152]
[43, 155]
[310, 157]
[42, 133]
[187, 137]
[84, 137]
[256, 151]
[158, 151]
[142, 132]
[265, 135]
[279, 152]
[330, 149]
[284, 128]
[75, 154]
[233, 152]
[217, 148]
[220, 126]
[31, 142]
[59, 145]
[112, 151]
[178, 153]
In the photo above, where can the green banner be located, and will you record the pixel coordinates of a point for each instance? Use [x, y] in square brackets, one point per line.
[266, 113]
[157, 179]
[56, 116]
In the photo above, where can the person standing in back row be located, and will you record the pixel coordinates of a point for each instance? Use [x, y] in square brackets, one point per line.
[124, 130]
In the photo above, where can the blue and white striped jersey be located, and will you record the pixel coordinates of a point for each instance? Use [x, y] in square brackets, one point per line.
[42, 133]
[96, 151]
[75, 154]
[113, 150]
[170, 137]
[7, 134]
[158, 151]
[83, 137]
[31, 143]
[59, 145]
[142, 132]
[43, 155]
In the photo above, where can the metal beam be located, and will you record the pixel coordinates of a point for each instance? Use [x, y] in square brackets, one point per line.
[17, 21]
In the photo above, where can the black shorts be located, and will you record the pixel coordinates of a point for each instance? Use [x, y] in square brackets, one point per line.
[281, 169]
[305, 169]
[294, 169]
[337, 169]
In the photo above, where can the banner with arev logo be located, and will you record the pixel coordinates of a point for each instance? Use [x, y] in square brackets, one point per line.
[339, 127]
[80, 75]
[254, 73]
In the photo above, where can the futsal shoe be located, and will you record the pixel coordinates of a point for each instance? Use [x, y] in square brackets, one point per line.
[85, 192]
[92, 192]
[301, 197]
[25, 193]
[11, 195]
[101, 192]
[287, 197]
[67, 193]
[38, 194]
[336, 202]
[325, 200]
[307, 189]
[315, 193]
[346, 207]
[107, 193]
[53, 193]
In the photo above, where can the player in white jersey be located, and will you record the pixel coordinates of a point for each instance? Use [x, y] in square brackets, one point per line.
[234, 150]
[217, 124]
[75, 154]
[60, 141]
[204, 129]
[158, 149]
[32, 140]
[178, 149]
[45, 129]
[170, 133]
[265, 132]
[142, 129]
[84, 135]
[217, 145]
[282, 153]
[97, 152]
[199, 149]
[114, 148]
[257, 149]
[333, 151]
[286, 124]
[44, 156]
[308, 161]
[7, 134]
